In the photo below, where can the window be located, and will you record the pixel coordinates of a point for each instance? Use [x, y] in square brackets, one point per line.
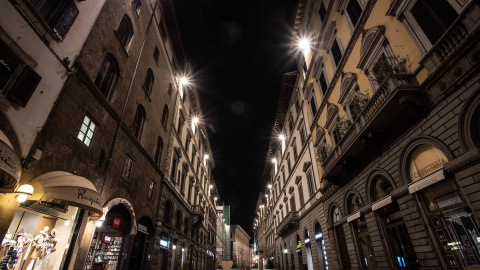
[138, 121]
[173, 171]
[17, 81]
[151, 188]
[137, 4]
[322, 11]
[354, 10]
[181, 120]
[125, 31]
[187, 142]
[323, 83]
[302, 135]
[163, 30]
[148, 83]
[292, 204]
[290, 123]
[167, 216]
[300, 194]
[170, 90]
[165, 116]
[294, 146]
[311, 188]
[156, 55]
[58, 15]
[87, 131]
[434, 17]
[336, 52]
[159, 151]
[289, 164]
[182, 180]
[313, 106]
[127, 168]
[107, 75]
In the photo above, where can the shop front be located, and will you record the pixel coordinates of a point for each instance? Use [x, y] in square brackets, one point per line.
[109, 246]
[43, 232]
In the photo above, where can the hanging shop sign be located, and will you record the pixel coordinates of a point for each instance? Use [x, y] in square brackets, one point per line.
[116, 223]
[142, 228]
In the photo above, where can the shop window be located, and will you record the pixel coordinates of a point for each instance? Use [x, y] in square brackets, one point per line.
[17, 80]
[137, 4]
[138, 122]
[426, 160]
[127, 168]
[148, 82]
[151, 189]
[159, 151]
[165, 116]
[87, 130]
[125, 31]
[56, 14]
[107, 75]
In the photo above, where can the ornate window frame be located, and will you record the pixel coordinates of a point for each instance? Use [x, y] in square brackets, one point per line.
[329, 38]
[342, 8]
[332, 120]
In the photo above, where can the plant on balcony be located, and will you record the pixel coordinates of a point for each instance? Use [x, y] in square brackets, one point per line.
[343, 125]
[385, 67]
[323, 151]
[359, 102]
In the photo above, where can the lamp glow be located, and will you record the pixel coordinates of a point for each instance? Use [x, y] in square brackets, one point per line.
[269, 186]
[281, 137]
[184, 81]
[304, 44]
[210, 187]
[99, 223]
[24, 191]
[274, 160]
[206, 156]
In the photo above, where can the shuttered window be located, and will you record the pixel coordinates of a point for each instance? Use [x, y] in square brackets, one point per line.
[336, 53]
[24, 86]
[354, 11]
[323, 83]
[58, 14]
[434, 17]
[106, 75]
[322, 11]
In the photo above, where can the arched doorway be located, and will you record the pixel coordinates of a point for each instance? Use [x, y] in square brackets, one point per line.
[321, 253]
[452, 223]
[360, 231]
[308, 249]
[391, 221]
[342, 250]
[141, 252]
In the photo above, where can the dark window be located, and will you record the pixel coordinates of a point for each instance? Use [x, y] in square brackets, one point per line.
[159, 151]
[336, 53]
[137, 4]
[336, 135]
[106, 75]
[170, 90]
[292, 204]
[354, 11]
[148, 83]
[297, 105]
[290, 123]
[187, 143]
[151, 188]
[167, 217]
[434, 17]
[173, 171]
[302, 135]
[313, 106]
[138, 121]
[127, 168]
[125, 31]
[311, 189]
[156, 54]
[300, 195]
[180, 124]
[165, 115]
[289, 164]
[8, 66]
[163, 30]
[305, 66]
[294, 146]
[58, 14]
[322, 11]
[323, 83]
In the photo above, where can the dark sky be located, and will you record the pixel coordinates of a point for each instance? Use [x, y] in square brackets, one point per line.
[238, 50]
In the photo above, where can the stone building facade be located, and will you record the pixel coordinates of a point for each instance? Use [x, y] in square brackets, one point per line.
[240, 247]
[393, 91]
[99, 146]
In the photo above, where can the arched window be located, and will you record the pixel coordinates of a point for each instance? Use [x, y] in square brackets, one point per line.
[159, 151]
[380, 188]
[186, 223]
[138, 121]
[148, 83]
[125, 31]
[165, 115]
[168, 212]
[107, 75]
[353, 203]
[179, 219]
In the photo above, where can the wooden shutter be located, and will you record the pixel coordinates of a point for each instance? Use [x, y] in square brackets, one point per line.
[65, 20]
[24, 86]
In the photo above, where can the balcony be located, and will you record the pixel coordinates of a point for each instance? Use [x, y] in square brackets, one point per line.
[395, 94]
[198, 214]
[289, 224]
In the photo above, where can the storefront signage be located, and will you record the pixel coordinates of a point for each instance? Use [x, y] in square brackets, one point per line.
[163, 243]
[353, 216]
[107, 239]
[9, 161]
[142, 228]
[84, 194]
[116, 223]
[429, 168]
[426, 181]
[382, 202]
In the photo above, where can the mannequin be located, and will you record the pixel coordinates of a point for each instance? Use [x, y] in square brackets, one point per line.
[36, 249]
[51, 242]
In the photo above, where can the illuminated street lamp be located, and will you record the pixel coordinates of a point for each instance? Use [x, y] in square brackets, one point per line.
[24, 191]
[274, 161]
[195, 122]
[283, 139]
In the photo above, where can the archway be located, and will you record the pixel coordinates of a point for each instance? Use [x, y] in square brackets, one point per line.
[141, 252]
[308, 249]
[321, 252]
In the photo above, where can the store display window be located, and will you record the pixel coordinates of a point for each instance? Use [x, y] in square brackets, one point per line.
[109, 240]
[38, 237]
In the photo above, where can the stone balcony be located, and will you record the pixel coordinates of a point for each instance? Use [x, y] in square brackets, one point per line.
[198, 214]
[288, 224]
[395, 94]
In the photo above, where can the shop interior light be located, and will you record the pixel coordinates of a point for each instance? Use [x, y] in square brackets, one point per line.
[99, 222]
[174, 247]
[23, 192]
[285, 250]
[67, 222]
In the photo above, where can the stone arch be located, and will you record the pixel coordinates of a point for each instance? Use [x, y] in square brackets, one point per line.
[332, 111]
[349, 195]
[331, 208]
[130, 208]
[370, 181]
[409, 149]
[466, 132]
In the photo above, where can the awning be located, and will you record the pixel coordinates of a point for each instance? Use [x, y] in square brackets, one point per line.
[67, 189]
[10, 166]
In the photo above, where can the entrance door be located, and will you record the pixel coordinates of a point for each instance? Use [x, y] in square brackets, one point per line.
[139, 259]
[342, 248]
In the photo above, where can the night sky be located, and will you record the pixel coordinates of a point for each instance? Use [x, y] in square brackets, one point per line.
[239, 53]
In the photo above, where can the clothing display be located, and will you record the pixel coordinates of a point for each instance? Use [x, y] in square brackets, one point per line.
[11, 250]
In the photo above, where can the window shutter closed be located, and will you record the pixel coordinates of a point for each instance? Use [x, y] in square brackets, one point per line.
[65, 20]
[24, 86]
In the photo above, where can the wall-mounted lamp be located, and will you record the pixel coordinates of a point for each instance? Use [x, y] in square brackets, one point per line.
[23, 192]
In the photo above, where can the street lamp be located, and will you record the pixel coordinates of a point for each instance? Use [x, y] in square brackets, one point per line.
[195, 121]
[282, 138]
[23, 192]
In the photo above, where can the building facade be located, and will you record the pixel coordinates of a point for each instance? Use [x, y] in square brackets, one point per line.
[240, 247]
[96, 114]
[393, 94]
